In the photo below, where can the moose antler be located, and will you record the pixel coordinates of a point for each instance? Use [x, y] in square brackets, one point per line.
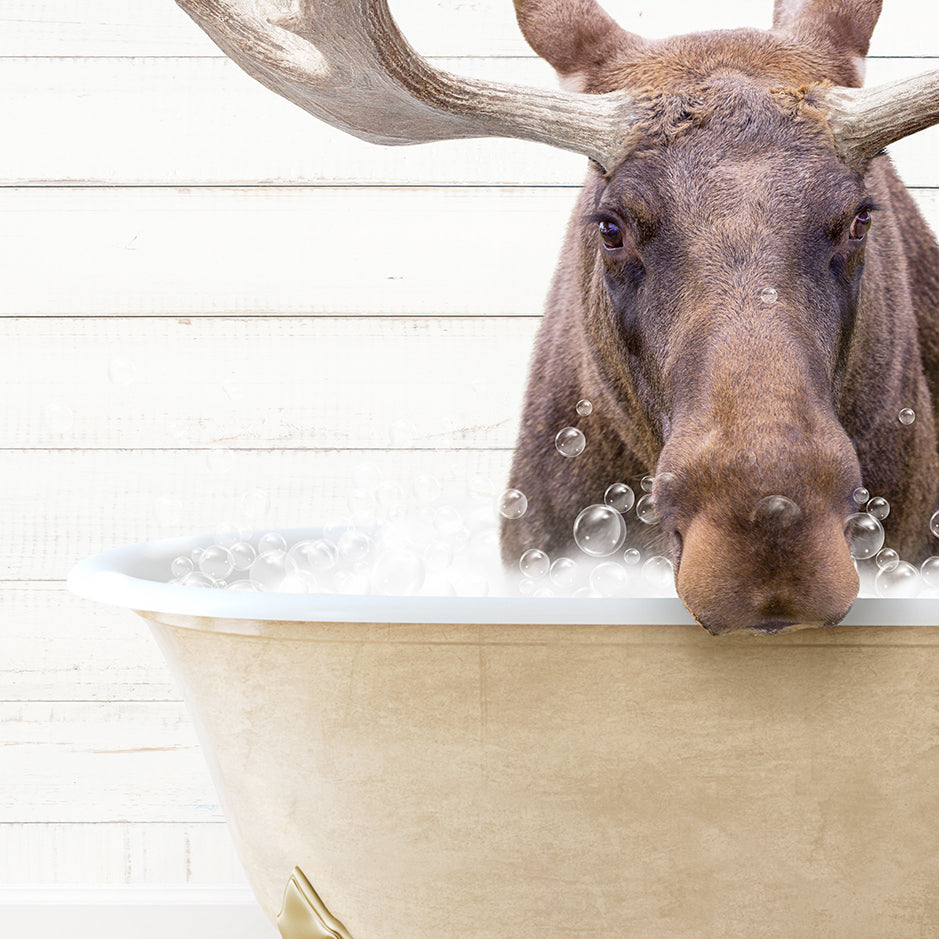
[865, 120]
[346, 62]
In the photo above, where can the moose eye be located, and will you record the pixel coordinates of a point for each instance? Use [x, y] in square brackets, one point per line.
[860, 226]
[610, 233]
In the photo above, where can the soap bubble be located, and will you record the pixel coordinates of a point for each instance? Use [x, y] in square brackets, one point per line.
[584, 408]
[315, 555]
[776, 512]
[620, 496]
[861, 495]
[907, 416]
[934, 523]
[354, 546]
[886, 559]
[769, 295]
[242, 555]
[899, 582]
[658, 572]
[219, 460]
[865, 535]
[599, 530]
[181, 566]
[225, 534]
[399, 573]
[570, 442]
[609, 579]
[269, 569]
[195, 554]
[216, 561]
[563, 573]
[297, 582]
[513, 504]
[121, 371]
[198, 579]
[878, 507]
[249, 586]
[645, 510]
[632, 557]
[272, 541]
[534, 563]
[929, 571]
[647, 483]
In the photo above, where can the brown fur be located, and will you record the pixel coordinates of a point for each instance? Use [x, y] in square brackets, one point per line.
[732, 184]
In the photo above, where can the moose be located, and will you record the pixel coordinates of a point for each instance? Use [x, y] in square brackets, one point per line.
[747, 294]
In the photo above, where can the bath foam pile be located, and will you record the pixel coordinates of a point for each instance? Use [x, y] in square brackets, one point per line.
[451, 547]
[444, 548]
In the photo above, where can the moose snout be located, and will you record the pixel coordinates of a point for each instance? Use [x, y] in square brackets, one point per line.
[765, 561]
[731, 579]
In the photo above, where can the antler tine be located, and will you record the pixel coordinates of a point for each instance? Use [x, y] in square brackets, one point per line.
[865, 120]
[346, 62]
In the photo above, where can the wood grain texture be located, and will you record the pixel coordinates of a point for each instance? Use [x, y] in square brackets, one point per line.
[281, 250]
[442, 27]
[294, 382]
[56, 647]
[120, 761]
[63, 505]
[118, 853]
[181, 121]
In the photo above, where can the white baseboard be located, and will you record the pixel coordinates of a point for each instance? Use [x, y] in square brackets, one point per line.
[133, 912]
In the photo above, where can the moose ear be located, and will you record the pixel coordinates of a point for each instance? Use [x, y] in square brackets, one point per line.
[845, 26]
[574, 36]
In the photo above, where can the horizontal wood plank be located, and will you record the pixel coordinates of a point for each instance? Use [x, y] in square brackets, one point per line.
[57, 647]
[60, 506]
[295, 382]
[82, 761]
[179, 121]
[118, 853]
[183, 252]
[445, 27]
[189, 252]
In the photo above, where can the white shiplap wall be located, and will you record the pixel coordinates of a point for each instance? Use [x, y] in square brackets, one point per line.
[257, 282]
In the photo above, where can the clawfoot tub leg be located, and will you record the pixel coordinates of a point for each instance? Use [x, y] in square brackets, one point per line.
[303, 914]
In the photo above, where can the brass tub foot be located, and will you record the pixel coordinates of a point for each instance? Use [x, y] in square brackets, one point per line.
[303, 914]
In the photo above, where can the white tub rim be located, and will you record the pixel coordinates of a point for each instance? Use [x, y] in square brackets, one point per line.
[131, 576]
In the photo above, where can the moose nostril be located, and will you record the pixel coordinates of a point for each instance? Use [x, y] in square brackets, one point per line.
[777, 512]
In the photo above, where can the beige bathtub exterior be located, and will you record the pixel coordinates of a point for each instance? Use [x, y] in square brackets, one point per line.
[590, 781]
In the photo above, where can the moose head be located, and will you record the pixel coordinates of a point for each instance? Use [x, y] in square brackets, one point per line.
[747, 294]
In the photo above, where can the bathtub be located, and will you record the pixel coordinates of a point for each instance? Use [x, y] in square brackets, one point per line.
[420, 768]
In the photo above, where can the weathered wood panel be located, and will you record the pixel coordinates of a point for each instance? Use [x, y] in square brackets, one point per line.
[57, 647]
[107, 252]
[117, 853]
[321, 382]
[444, 27]
[59, 506]
[122, 761]
[182, 121]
